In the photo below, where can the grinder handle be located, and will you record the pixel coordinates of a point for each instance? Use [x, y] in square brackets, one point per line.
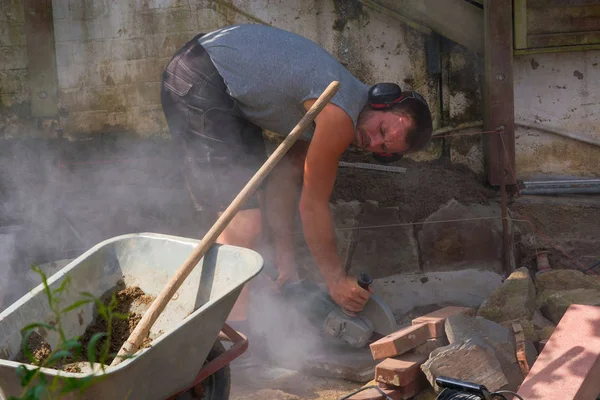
[364, 280]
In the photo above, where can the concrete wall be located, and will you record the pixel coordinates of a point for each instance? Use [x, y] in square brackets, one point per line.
[110, 55]
[14, 90]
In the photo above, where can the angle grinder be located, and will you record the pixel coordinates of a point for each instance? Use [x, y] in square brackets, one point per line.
[336, 324]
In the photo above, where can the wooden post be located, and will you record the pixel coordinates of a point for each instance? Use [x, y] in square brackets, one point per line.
[499, 107]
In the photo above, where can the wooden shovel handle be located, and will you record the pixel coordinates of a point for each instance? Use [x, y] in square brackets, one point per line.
[158, 305]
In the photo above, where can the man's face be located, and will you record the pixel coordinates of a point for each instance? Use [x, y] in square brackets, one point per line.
[383, 132]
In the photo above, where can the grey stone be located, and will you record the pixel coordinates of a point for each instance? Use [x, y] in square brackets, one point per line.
[498, 338]
[554, 304]
[468, 361]
[431, 345]
[513, 300]
[475, 238]
[565, 279]
[383, 251]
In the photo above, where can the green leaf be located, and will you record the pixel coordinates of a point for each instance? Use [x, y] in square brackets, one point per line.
[71, 344]
[59, 355]
[120, 316]
[75, 305]
[25, 347]
[25, 374]
[92, 347]
[45, 282]
[65, 282]
[39, 390]
[37, 325]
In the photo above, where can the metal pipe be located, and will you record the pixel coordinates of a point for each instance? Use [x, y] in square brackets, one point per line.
[562, 187]
[559, 190]
[563, 183]
[523, 124]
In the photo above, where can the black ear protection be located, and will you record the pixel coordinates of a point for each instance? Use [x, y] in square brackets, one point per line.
[383, 96]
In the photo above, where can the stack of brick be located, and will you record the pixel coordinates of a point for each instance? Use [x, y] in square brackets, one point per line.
[399, 374]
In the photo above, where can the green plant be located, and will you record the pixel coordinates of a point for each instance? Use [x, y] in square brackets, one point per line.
[34, 383]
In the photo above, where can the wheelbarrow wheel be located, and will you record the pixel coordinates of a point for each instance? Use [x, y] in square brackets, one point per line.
[218, 385]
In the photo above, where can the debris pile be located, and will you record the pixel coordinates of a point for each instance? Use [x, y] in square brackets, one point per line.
[494, 345]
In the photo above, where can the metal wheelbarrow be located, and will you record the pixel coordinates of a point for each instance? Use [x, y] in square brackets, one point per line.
[186, 358]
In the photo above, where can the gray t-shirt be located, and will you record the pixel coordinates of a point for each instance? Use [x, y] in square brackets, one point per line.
[271, 72]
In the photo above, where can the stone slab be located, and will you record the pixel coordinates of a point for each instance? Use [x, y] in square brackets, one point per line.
[554, 304]
[466, 361]
[381, 248]
[472, 236]
[569, 364]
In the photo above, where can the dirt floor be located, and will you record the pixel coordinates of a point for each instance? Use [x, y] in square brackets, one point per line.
[300, 387]
[121, 328]
[128, 301]
[420, 191]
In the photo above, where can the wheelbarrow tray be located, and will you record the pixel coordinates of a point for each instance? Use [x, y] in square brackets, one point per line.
[182, 336]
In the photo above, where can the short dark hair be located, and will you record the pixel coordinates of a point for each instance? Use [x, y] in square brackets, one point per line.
[420, 133]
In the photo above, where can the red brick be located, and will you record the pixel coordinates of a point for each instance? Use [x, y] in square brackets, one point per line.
[436, 319]
[569, 365]
[401, 370]
[413, 388]
[400, 341]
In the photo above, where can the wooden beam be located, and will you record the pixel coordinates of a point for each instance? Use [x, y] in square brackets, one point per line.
[499, 109]
[458, 20]
[520, 24]
[41, 53]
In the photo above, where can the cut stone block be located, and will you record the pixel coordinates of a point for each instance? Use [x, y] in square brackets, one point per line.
[513, 300]
[401, 370]
[431, 345]
[436, 319]
[458, 244]
[565, 279]
[400, 341]
[554, 304]
[384, 251]
[497, 338]
[466, 361]
[569, 364]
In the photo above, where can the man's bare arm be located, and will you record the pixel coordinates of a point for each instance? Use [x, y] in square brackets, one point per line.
[333, 134]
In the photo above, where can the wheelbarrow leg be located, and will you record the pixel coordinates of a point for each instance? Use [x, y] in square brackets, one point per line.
[240, 345]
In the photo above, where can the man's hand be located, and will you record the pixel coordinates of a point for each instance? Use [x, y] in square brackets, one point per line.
[348, 294]
[287, 274]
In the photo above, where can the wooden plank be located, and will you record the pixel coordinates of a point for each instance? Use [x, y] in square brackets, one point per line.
[564, 39]
[458, 20]
[43, 81]
[520, 13]
[544, 50]
[563, 19]
[560, 3]
[499, 149]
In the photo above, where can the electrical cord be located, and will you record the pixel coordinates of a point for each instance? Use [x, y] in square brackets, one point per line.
[385, 396]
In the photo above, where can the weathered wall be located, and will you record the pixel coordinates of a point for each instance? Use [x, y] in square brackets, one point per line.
[14, 91]
[560, 91]
[110, 55]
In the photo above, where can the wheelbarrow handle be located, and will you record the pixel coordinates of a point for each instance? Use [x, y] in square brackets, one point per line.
[158, 305]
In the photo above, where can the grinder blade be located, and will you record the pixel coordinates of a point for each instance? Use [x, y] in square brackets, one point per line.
[380, 315]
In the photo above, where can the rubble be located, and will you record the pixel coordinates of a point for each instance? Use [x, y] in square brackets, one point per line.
[466, 360]
[513, 300]
[565, 279]
[554, 303]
